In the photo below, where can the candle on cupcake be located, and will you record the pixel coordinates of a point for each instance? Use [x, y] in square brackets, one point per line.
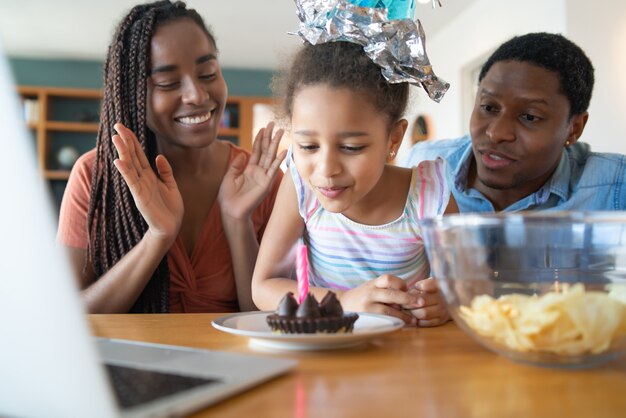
[302, 272]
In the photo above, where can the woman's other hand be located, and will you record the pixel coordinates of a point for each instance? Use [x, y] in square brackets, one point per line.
[157, 198]
[245, 185]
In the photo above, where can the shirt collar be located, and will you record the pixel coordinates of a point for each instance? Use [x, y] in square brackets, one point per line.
[558, 184]
[464, 155]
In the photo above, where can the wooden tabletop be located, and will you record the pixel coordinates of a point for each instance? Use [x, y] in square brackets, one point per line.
[427, 372]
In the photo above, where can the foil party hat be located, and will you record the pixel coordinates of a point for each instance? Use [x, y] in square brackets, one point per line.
[397, 46]
[396, 9]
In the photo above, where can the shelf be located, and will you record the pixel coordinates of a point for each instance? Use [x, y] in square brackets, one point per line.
[62, 118]
[228, 132]
[56, 174]
[71, 126]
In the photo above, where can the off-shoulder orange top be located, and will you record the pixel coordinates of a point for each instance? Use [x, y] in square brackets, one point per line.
[201, 282]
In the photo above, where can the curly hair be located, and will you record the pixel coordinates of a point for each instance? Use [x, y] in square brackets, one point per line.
[555, 53]
[345, 65]
[115, 225]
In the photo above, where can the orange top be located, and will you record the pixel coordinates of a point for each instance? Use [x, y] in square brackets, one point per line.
[202, 282]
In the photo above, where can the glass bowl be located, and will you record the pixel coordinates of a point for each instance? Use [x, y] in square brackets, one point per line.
[545, 288]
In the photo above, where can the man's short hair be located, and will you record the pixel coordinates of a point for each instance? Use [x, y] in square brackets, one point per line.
[555, 53]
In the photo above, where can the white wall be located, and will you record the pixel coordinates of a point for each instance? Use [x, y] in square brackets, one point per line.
[604, 41]
[483, 26]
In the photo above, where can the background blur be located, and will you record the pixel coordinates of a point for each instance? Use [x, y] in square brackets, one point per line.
[63, 43]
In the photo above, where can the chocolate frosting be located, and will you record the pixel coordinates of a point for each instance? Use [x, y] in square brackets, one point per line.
[309, 308]
[330, 306]
[311, 317]
[287, 306]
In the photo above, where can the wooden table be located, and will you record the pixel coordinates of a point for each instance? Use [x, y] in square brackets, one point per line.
[428, 372]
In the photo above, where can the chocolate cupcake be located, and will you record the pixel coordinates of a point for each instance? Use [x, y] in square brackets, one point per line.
[311, 317]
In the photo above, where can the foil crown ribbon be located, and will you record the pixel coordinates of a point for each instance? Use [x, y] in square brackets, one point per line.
[398, 47]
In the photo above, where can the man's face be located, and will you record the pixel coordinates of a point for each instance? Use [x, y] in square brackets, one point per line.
[520, 125]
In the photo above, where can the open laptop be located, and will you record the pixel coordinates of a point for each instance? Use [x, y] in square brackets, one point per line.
[50, 366]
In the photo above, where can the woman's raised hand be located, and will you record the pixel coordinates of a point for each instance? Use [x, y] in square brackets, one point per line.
[245, 185]
[158, 199]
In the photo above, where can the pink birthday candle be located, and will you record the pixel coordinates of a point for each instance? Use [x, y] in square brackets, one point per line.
[302, 271]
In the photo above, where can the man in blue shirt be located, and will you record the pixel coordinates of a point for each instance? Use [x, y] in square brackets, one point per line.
[530, 110]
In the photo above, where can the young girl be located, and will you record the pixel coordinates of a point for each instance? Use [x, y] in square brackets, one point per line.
[177, 232]
[357, 214]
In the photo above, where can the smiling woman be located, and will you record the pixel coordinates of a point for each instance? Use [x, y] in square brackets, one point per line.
[162, 216]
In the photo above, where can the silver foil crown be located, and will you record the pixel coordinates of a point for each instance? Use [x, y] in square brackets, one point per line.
[398, 47]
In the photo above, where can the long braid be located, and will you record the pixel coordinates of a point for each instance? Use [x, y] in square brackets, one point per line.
[151, 299]
[115, 225]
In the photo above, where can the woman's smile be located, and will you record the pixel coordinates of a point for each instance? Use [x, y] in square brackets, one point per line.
[195, 119]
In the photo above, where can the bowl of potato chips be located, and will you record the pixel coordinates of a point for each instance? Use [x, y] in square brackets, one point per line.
[545, 288]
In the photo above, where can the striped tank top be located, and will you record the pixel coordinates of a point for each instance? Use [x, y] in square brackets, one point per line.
[344, 254]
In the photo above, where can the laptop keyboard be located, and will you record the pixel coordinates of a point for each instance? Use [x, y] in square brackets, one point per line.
[137, 386]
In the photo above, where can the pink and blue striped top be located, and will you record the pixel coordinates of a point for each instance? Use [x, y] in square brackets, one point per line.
[344, 254]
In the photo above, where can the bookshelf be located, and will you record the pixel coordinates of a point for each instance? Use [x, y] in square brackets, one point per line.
[63, 122]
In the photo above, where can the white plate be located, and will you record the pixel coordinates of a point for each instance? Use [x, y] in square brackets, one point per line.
[254, 326]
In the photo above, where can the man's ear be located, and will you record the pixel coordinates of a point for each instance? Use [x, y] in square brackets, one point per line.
[577, 126]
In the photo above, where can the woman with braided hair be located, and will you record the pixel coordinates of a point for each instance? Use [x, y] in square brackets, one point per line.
[162, 216]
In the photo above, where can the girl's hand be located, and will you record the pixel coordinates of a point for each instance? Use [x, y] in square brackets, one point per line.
[158, 199]
[430, 309]
[244, 186]
[384, 295]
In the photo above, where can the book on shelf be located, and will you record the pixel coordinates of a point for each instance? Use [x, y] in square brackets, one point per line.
[30, 110]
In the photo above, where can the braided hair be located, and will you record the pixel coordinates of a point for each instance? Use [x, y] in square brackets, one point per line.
[115, 225]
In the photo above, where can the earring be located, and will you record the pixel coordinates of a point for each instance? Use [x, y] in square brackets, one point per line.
[392, 155]
[567, 143]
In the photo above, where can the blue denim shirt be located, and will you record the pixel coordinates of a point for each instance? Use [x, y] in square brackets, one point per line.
[583, 180]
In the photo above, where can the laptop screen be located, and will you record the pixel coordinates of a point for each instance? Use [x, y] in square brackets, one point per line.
[46, 352]
[133, 386]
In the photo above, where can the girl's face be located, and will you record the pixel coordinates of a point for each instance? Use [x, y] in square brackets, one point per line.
[186, 90]
[341, 144]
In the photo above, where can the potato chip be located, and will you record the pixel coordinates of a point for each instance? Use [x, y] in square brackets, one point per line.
[569, 322]
[617, 291]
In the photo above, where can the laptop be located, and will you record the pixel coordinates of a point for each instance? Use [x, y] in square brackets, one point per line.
[50, 365]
